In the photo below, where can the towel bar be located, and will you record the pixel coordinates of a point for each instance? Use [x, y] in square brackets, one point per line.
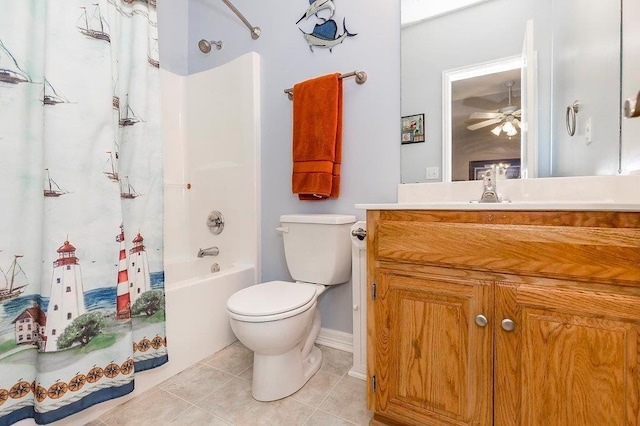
[360, 76]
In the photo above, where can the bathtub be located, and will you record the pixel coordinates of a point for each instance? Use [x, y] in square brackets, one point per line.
[196, 298]
[197, 323]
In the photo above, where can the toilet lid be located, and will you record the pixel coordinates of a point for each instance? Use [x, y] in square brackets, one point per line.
[270, 298]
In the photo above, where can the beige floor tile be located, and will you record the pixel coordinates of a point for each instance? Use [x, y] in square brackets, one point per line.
[233, 359]
[223, 399]
[156, 407]
[335, 361]
[196, 382]
[282, 412]
[316, 389]
[247, 374]
[96, 422]
[320, 418]
[348, 400]
[194, 416]
[231, 401]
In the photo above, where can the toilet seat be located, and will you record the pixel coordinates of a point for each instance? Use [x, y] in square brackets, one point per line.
[271, 301]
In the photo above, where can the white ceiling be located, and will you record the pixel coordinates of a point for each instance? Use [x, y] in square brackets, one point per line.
[412, 11]
[485, 85]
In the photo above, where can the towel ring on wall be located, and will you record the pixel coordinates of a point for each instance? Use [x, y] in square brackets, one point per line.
[572, 111]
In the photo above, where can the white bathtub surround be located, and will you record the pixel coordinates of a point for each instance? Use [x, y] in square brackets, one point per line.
[618, 192]
[213, 119]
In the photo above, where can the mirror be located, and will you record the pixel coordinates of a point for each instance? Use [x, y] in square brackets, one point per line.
[578, 58]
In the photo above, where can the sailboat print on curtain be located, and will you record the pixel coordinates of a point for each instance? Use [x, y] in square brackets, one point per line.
[51, 97]
[115, 100]
[10, 71]
[126, 190]
[128, 117]
[152, 53]
[93, 24]
[51, 188]
[15, 281]
[112, 167]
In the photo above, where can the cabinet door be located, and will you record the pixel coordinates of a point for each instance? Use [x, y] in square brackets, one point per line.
[433, 363]
[571, 359]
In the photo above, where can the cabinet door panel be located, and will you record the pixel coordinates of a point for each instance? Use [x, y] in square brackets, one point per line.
[433, 363]
[577, 353]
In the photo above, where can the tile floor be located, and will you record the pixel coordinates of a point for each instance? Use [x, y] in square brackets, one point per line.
[217, 391]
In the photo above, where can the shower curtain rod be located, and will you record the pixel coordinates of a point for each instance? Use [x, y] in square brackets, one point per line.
[360, 76]
[255, 31]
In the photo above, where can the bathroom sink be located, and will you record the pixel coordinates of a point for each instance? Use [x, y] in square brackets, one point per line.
[515, 205]
[592, 193]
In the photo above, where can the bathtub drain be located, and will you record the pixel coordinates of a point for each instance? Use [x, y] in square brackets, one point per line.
[215, 268]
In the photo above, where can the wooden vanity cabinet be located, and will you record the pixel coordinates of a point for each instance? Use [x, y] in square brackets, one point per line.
[504, 317]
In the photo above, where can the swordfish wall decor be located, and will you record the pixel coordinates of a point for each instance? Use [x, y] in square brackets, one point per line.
[325, 33]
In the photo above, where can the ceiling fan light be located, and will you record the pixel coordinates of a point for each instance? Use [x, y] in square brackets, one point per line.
[509, 128]
[496, 130]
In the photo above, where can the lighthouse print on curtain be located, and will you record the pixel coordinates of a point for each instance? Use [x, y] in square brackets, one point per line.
[82, 283]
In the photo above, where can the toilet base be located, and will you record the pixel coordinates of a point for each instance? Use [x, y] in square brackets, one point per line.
[278, 376]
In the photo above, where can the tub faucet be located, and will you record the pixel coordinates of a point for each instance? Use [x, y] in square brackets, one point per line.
[211, 251]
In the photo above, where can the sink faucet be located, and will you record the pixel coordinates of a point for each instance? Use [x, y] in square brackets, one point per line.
[490, 191]
[211, 251]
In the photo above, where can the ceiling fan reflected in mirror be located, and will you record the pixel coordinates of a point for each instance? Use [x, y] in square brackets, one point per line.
[507, 119]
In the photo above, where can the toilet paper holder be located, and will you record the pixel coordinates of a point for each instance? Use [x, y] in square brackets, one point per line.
[359, 233]
[632, 107]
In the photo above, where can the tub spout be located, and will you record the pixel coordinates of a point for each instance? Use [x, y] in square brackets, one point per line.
[211, 251]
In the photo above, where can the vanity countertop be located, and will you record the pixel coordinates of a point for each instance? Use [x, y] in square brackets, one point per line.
[520, 205]
[593, 193]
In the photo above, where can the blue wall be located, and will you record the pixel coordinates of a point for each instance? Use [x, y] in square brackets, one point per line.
[371, 152]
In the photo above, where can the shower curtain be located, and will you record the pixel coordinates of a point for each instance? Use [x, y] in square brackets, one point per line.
[82, 284]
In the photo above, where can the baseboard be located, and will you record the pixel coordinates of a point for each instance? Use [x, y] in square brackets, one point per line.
[335, 339]
[357, 374]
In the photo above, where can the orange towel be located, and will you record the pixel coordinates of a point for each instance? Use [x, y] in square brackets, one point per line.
[317, 138]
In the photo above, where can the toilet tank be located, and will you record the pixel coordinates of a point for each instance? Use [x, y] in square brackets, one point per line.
[317, 247]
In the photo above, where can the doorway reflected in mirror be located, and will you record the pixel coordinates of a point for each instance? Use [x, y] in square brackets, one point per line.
[485, 121]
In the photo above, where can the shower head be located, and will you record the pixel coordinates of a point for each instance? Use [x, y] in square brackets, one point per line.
[205, 45]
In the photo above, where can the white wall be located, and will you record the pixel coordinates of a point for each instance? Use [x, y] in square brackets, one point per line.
[586, 67]
[173, 35]
[456, 40]
[631, 85]
[371, 157]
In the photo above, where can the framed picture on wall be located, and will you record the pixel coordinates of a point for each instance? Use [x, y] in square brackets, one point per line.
[413, 129]
[509, 167]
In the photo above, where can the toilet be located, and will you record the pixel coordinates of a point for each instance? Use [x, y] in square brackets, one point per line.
[280, 320]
